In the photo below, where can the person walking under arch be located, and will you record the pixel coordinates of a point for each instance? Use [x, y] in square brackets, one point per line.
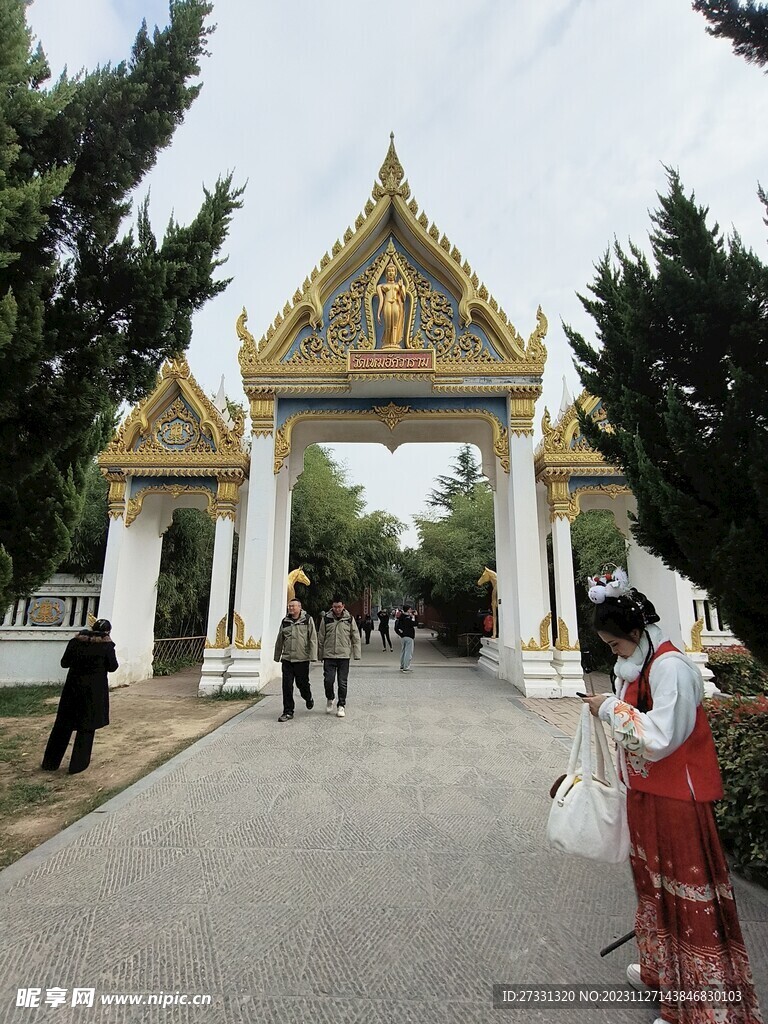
[384, 628]
[405, 627]
[686, 925]
[339, 640]
[295, 648]
[367, 628]
[84, 704]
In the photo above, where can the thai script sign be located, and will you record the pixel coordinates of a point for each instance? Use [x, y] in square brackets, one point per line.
[391, 361]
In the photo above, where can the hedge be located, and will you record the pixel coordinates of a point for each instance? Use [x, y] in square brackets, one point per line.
[736, 671]
[740, 727]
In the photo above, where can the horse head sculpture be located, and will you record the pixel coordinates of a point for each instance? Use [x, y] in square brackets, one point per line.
[489, 576]
[294, 577]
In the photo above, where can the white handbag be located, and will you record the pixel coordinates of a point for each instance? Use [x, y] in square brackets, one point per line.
[589, 815]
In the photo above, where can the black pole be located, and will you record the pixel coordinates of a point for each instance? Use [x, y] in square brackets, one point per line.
[617, 943]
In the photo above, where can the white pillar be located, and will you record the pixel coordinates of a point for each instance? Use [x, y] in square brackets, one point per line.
[277, 583]
[533, 671]
[135, 589]
[218, 606]
[216, 657]
[110, 574]
[542, 508]
[567, 656]
[242, 515]
[247, 667]
[497, 656]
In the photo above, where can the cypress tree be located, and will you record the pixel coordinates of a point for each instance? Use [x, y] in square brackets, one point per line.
[465, 478]
[745, 24]
[682, 365]
[87, 312]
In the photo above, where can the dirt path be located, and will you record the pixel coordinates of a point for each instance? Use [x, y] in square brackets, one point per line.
[149, 723]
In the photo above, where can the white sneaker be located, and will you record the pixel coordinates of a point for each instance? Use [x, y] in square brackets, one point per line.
[340, 712]
[634, 979]
[329, 707]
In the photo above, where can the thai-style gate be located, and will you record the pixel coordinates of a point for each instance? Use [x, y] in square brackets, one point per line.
[391, 339]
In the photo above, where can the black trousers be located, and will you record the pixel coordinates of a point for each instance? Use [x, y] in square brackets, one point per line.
[385, 638]
[58, 742]
[295, 672]
[333, 667]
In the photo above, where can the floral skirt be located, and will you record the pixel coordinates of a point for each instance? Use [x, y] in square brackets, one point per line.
[687, 927]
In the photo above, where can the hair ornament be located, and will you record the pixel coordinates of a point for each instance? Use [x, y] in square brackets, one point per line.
[612, 581]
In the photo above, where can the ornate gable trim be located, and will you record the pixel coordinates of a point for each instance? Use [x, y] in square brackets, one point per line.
[390, 208]
[176, 429]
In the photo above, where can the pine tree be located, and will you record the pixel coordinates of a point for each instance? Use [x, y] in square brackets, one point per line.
[746, 24]
[682, 366]
[465, 478]
[87, 312]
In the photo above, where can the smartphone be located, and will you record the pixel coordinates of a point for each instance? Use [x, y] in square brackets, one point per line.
[581, 694]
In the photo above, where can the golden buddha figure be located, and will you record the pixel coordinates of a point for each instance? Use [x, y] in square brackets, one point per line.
[391, 295]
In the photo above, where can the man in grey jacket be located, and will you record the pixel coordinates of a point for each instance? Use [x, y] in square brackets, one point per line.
[295, 648]
[338, 642]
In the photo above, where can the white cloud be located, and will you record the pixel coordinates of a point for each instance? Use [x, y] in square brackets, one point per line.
[531, 133]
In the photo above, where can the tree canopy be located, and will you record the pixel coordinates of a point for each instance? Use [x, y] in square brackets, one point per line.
[595, 541]
[341, 548]
[467, 478]
[87, 313]
[682, 365]
[744, 23]
[452, 553]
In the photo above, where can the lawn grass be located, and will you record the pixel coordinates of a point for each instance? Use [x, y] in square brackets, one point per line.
[238, 694]
[22, 701]
[9, 745]
[22, 795]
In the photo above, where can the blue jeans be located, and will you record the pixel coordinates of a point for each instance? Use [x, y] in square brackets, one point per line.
[406, 654]
[334, 668]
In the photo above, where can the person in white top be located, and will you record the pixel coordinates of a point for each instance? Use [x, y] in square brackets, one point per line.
[687, 927]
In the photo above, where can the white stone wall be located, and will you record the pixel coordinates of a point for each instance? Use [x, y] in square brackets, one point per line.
[32, 654]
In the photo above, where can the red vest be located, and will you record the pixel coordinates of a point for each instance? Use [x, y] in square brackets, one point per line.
[689, 773]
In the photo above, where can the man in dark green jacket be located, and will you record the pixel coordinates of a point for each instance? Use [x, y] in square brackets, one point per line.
[339, 641]
[295, 648]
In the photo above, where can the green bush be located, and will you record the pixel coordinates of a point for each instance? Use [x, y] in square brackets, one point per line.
[740, 727]
[736, 671]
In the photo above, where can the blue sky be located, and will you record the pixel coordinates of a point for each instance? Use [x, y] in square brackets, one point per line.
[531, 133]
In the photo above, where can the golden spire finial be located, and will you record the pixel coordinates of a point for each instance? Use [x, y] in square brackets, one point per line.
[391, 175]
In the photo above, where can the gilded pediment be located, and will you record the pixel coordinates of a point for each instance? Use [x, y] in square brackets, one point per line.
[176, 426]
[563, 445]
[396, 262]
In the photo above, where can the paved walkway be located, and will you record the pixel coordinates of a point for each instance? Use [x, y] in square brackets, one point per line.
[381, 869]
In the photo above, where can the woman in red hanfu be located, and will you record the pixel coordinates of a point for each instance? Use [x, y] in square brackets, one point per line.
[687, 928]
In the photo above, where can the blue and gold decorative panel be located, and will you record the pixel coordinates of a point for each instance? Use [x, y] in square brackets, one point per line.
[424, 314]
[492, 410]
[45, 611]
[176, 429]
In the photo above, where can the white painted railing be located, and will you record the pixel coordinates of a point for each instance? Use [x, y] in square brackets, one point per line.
[716, 633]
[34, 630]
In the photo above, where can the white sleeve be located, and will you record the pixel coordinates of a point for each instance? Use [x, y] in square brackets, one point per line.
[655, 734]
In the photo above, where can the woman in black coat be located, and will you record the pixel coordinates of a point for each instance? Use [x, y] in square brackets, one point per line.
[384, 628]
[84, 704]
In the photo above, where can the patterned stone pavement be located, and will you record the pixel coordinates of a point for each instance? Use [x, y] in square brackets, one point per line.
[386, 868]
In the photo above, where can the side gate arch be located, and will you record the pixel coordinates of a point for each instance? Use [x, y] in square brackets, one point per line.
[176, 449]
